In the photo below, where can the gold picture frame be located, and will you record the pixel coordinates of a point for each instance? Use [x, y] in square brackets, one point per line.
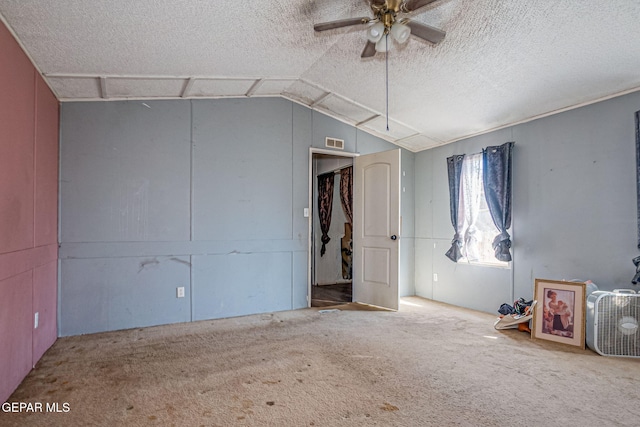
[559, 314]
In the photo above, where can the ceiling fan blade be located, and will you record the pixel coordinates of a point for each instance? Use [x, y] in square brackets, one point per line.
[425, 32]
[340, 23]
[369, 50]
[411, 5]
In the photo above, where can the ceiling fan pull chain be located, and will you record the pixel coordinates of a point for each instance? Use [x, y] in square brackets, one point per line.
[386, 60]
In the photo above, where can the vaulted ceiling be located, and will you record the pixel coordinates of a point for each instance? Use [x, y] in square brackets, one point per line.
[501, 62]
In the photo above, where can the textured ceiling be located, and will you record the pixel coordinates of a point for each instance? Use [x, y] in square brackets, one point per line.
[501, 62]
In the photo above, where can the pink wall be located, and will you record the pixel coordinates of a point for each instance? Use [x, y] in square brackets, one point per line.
[28, 215]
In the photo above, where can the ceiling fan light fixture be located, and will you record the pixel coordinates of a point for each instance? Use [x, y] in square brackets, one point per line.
[375, 32]
[400, 32]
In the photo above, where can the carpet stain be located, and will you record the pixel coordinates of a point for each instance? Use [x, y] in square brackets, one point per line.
[271, 403]
[152, 417]
[271, 382]
[389, 407]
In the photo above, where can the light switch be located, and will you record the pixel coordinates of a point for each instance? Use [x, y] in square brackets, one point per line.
[306, 212]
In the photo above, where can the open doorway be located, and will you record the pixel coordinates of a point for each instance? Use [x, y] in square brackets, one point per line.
[331, 236]
[377, 226]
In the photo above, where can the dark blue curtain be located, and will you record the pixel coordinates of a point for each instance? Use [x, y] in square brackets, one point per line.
[638, 171]
[496, 165]
[454, 169]
[636, 260]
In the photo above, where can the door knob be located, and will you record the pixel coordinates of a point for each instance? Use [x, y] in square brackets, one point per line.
[394, 237]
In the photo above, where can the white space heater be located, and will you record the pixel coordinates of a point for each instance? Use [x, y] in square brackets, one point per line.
[613, 323]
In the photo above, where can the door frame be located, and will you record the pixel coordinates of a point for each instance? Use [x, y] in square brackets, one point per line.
[313, 151]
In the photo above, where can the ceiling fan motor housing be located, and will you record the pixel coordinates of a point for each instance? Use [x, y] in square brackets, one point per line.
[386, 22]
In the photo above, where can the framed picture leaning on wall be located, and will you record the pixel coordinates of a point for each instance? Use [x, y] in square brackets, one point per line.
[559, 314]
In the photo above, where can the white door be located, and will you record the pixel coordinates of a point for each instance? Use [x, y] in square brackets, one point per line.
[376, 229]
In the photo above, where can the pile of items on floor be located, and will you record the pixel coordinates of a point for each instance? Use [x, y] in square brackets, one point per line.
[516, 316]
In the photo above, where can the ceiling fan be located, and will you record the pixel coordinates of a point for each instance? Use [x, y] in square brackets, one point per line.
[387, 21]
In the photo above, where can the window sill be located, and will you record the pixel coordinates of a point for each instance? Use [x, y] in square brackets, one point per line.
[502, 266]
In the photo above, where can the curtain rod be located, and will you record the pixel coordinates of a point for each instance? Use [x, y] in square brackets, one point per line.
[493, 146]
[334, 171]
[343, 167]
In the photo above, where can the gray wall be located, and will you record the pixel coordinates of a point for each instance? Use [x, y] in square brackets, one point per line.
[407, 236]
[209, 195]
[574, 215]
[205, 194]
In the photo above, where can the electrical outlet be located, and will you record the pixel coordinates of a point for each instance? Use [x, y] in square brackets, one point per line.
[36, 319]
[180, 292]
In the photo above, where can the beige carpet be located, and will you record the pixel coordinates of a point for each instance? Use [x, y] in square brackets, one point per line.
[427, 365]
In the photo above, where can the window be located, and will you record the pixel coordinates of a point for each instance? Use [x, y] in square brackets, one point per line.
[477, 228]
[480, 201]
